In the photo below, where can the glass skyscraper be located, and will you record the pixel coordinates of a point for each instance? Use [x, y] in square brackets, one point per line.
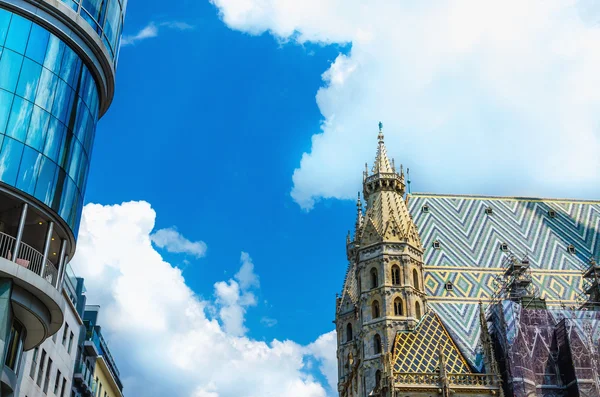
[57, 78]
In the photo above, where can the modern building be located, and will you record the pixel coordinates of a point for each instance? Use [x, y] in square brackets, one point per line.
[49, 368]
[57, 78]
[468, 295]
[106, 379]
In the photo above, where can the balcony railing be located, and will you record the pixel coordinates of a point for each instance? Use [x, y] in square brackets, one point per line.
[29, 258]
[86, 376]
[433, 379]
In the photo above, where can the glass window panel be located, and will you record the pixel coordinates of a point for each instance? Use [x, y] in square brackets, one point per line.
[96, 8]
[70, 67]
[10, 158]
[18, 33]
[54, 53]
[46, 89]
[113, 17]
[55, 136]
[44, 190]
[62, 99]
[4, 24]
[28, 81]
[81, 121]
[75, 160]
[59, 187]
[20, 115]
[89, 135]
[68, 199]
[38, 41]
[83, 172]
[10, 65]
[36, 135]
[66, 149]
[6, 100]
[72, 3]
[29, 170]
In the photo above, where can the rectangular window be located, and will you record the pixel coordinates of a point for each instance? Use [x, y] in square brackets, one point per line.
[47, 380]
[41, 368]
[65, 333]
[63, 387]
[70, 342]
[57, 381]
[34, 363]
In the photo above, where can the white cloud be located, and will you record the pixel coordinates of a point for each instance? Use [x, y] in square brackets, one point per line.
[165, 338]
[477, 97]
[171, 240]
[152, 30]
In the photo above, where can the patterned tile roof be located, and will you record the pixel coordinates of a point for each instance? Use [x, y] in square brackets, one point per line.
[470, 254]
[419, 350]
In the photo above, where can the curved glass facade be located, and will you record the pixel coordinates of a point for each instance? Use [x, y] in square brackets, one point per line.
[105, 17]
[48, 113]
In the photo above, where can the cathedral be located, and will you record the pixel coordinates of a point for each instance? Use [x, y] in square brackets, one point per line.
[450, 295]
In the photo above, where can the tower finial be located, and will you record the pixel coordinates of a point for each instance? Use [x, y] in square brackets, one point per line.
[380, 136]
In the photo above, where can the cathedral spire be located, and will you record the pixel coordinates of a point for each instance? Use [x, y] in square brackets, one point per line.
[359, 218]
[382, 162]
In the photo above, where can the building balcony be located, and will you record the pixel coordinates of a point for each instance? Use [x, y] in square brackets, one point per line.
[29, 258]
[33, 252]
[83, 377]
[92, 344]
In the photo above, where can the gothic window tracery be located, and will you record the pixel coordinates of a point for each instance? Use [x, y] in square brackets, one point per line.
[377, 344]
[416, 279]
[395, 275]
[398, 307]
[374, 278]
[375, 309]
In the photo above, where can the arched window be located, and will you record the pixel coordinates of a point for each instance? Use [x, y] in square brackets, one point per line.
[374, 281]
[398, 307]
[418, 310]
[348, 332]
[375, 309]
[416, 278]
[395, 275]
[378, 379]
[377, 344]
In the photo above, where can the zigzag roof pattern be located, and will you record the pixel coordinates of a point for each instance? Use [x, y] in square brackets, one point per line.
[419, 350]
[470, 253]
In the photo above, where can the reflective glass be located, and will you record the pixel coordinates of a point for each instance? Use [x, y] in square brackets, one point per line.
[48, 114]
[38, 41]
[4, 23]
[18, 33]
[54, 53]
[70, 67]
[46, 89]
[28, 80]
[10, 158]
[68, 200]
[62, 101]
[75, 160]
[18, 122]
[29, 170]
[96, 8]
[55, 135]
[6, 99]
[113, 18]
[36, 135]
[10, 66]
[44, 190]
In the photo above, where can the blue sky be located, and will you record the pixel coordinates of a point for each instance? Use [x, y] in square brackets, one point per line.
[245, 126]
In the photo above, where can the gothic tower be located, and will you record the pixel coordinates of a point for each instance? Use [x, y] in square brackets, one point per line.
[383, 292]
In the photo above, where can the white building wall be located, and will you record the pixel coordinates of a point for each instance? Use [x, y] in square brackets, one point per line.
[62, 360]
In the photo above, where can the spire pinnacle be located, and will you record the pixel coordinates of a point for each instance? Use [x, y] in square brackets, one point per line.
[380, 136]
